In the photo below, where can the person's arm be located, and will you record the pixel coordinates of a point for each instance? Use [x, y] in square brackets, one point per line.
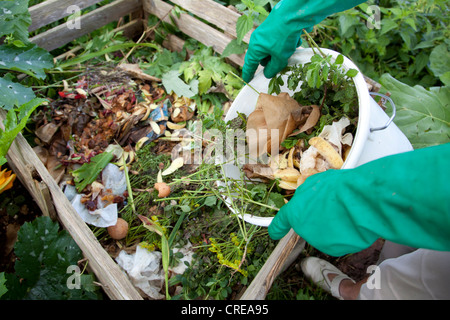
[276, 39]
[404, 198]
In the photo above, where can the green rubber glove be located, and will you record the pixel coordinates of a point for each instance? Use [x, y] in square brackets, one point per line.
[276, 39]
[404, 198]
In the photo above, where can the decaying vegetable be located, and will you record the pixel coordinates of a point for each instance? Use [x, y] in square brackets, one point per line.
[119, 230]
[163, 189]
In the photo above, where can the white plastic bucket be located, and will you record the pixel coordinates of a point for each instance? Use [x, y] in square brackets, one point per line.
[376, 135]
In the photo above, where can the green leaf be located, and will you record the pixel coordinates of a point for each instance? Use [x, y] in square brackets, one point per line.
[210, 201]
[339, 59]
[13, 94]
[351, 73]
[234, 47]
[243, 25]
[387, 25]
[172, 82]
[15, 19]
[205, 80]
[440, 61]
[44, 254]
[347, 24]
[423, 115]
[3, 288]
[88, 172]
[14, 123]
[31, 60]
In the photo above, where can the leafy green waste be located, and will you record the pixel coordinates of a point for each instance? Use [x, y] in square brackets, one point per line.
[422, 115]
[88, 172]
[44, 255]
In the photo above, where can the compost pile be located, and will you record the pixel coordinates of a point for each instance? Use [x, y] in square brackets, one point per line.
[109, 109]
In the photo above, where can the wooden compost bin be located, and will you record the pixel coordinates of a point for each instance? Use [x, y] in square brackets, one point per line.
[32, 173]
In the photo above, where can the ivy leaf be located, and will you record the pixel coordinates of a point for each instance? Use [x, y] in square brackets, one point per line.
[15, 19]
[31, 60]
[88, 172]
[423, 115]
[13, 93]
[172, 82]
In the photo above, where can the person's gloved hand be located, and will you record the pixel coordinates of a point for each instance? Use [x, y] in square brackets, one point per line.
[276, 39]
[403, 198]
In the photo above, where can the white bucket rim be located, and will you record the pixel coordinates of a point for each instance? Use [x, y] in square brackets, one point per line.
[303, 55]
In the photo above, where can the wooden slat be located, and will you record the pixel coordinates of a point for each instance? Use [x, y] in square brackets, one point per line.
[193, 27]
[262, 283]
[26, 164]
[50, 11]
[215, 13]
[61, 35]
[130, 30]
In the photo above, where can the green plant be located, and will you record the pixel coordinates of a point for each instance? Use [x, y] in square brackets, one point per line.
[410, 41]
[44, 256]
[321, 82]
[18, 56]
[422, 114]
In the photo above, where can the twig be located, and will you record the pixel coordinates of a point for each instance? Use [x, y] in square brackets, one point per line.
[314, 44]
[244, 82]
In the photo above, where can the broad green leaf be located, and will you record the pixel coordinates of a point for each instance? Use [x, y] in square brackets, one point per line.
[88, 172]
[243, 25]
[387, 25]
[31, 60]
[440, 62]
[172, 82]
[13, 93]
[15, 19]
[44, 255]
[423, 115]
[347, 23]
[205, 80]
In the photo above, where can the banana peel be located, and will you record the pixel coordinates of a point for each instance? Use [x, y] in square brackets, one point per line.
[327, 151]
[287, 175]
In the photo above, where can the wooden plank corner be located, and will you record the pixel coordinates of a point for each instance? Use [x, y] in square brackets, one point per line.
[25, 164]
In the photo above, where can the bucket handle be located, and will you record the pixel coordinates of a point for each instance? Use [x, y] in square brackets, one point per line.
[394, 111]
